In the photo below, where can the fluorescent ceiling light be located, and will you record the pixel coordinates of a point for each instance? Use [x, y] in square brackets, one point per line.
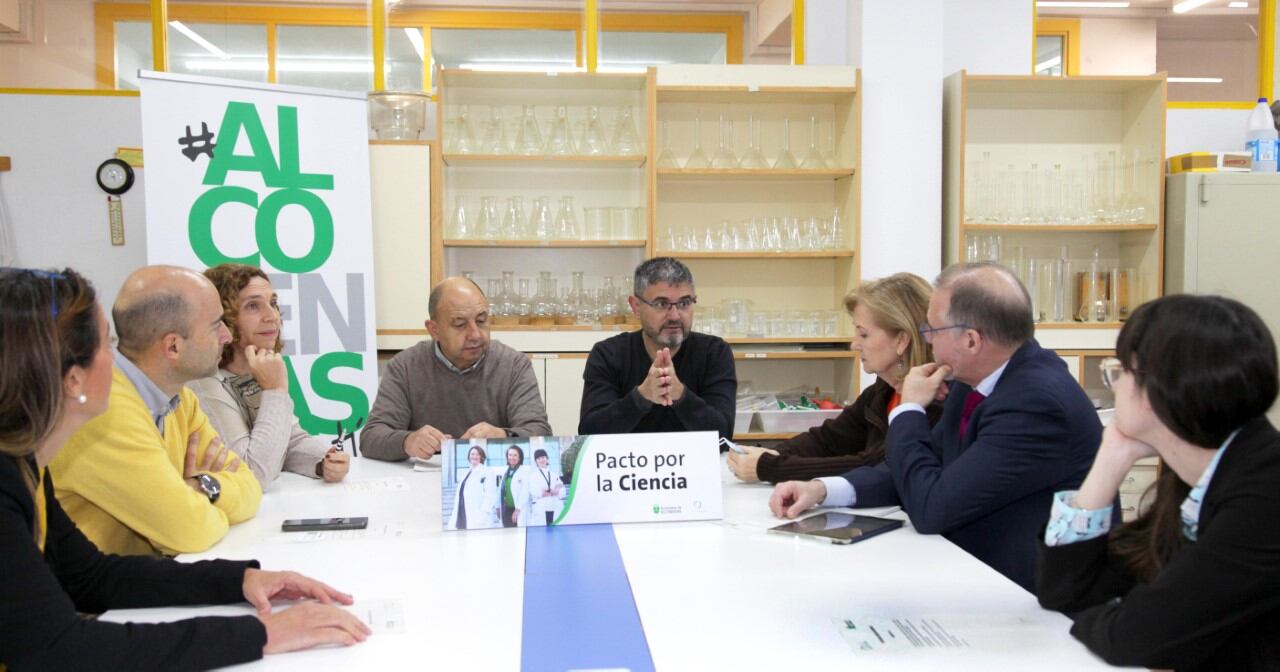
[1082, 4]
[1238, 5]
[519, 67]
[1048, 63]
[415, 38]
[1195, 80]
[227, 65]
[195, 37]
[1188, 5]
[284, 65]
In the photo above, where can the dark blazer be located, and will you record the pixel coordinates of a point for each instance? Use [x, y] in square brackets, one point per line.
[617, 365]
[989, 491]
[1215, 605]
[838, 444]
[40, 595]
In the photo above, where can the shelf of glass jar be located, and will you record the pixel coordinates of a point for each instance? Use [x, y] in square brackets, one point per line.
[1109, 191]
[766, 237]
[484, 227]
[514, 304]
[590, 145]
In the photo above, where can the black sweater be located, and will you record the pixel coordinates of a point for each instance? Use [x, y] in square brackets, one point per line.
[40, 595]
[612, 405]
[1215, 605]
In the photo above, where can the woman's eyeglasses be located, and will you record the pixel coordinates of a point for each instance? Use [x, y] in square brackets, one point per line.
[1112, 369]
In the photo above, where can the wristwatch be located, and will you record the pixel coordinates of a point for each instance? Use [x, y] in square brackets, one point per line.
[209, 486]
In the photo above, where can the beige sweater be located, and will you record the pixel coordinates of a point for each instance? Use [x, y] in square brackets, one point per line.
[269, 442]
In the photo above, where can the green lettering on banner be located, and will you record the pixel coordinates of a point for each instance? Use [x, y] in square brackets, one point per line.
[244, 117]
[200, 224]
[325, 388]
[287, 120]
[269, 241]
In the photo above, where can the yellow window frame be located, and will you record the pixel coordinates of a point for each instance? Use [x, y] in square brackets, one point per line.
[1069, 31]
[106, 14]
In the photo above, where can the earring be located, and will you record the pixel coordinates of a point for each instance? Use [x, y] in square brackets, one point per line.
[902, 366]
[82, 399]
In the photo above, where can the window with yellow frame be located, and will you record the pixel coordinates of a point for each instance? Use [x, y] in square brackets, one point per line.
[336, 47]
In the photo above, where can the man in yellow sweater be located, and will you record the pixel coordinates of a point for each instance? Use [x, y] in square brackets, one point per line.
[151, 475]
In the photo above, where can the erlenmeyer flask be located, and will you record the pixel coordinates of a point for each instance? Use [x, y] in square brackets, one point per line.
[813, 159]
[489, 225]
[464, 141]
[829, 145]
[724, 157]
[460, 224]
[528, 138]
[566, 221]
[785, 160]
[754, 158]
[558, 142]
[542, 223]
[495, 141]
[625, 139]
[594, 141]
[667, 159]
[697, 158]
[524, 302]
[513, 222]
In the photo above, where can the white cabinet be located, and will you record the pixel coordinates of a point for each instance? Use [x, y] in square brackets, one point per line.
[560, 382]
[400, 188]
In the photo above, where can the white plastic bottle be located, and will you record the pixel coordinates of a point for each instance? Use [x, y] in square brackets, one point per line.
[1260, 138]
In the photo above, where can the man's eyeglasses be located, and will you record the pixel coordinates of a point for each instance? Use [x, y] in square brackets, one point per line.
[52, 276]
[927, 332]
[1112, 369]
[662, 305]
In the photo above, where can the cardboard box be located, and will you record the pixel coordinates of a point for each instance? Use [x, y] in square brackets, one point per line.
[1211, 162]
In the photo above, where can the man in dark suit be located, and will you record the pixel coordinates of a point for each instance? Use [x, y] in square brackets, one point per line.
[1016, 427]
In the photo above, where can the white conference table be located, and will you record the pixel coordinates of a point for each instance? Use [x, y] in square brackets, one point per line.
[710, 595]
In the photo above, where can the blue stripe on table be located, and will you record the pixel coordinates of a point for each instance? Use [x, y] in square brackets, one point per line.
[578, 609]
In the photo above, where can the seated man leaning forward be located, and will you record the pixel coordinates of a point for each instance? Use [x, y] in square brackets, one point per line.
[665, 377]
[1016, 428]
[458, 385]
[151, 475]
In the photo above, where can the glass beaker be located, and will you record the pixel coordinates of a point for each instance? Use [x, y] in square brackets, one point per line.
[753, 158]
[528, 137]
[566, 222]
[495, 137]
[626, 141]
[1124, 295]
[558, 140]
[514, 223]
[697, 157]
[542, 224]
[596, 223]
[464, 141]
[489, 226]
[785, 160]
[594, 140]
[667, 158]
[460, 223]
[813, 160]
[524, 302]
[724, 156]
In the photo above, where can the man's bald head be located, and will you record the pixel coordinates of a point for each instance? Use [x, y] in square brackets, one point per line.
[989, 298]
[155, 301]
[453, 290]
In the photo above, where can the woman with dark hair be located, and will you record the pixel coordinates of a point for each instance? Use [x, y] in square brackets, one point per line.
[475, 502]
[55, 375]
[248, 400]
[1194, 582]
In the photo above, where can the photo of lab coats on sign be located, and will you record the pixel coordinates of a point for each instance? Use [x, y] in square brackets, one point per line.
[516, 482]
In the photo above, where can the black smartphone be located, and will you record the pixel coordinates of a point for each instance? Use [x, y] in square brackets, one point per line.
[312, 524]
[838, 528]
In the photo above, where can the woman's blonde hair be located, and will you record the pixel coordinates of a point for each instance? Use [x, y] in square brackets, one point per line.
[898, 304]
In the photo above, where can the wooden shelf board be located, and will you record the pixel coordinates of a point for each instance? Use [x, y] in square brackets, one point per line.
[805, 95]
[543, 243]
[735, 174]
[828, 354]
[784, 341]
[760, 436]
[522, 161]
[1079, 325]
[563, 327]
[458, 78]
[1062, 228]
[1031, 84]
[810, 254]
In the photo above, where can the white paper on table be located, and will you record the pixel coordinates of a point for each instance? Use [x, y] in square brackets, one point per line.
[392, 530]
[423, 465]
[384, 617]
[393, 484]
[879, 634]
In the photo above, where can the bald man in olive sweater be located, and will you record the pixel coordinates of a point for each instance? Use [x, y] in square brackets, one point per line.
[458, 384]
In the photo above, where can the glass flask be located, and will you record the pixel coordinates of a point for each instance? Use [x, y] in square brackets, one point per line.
[558, 141]
[667, 158]
[544, 306]
[724, 156]
[460, 226]
[464, 141]
[489, 226]
[528, 137]
[566, 312]
[785, 160]
[566, 222]
[697, 157]
[513, 223]
[626, 140]
[495, 137]
[753, 158]
[542, 224]
[502, 308]
[594, 141]
[608, 304]
[524, 302]
[813, 159]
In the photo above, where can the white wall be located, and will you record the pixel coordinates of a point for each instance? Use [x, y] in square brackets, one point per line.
[59, 215]
[1235, 61]
[988, 37]
[1204, 130]
[10, 13]
[60, 54]
[826, 32]
[1117, 46]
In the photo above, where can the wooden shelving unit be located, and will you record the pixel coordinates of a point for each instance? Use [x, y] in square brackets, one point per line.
[524, 161]
[808, 254]
[751, 174]
[567, 244]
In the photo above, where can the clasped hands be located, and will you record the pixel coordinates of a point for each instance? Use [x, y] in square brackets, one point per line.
[662, 386]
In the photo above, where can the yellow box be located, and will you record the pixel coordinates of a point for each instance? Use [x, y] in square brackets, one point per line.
[1210, 162]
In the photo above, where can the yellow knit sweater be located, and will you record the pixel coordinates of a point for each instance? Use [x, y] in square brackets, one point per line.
[121, 481]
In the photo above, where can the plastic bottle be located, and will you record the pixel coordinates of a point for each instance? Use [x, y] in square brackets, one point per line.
[1260, 138]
